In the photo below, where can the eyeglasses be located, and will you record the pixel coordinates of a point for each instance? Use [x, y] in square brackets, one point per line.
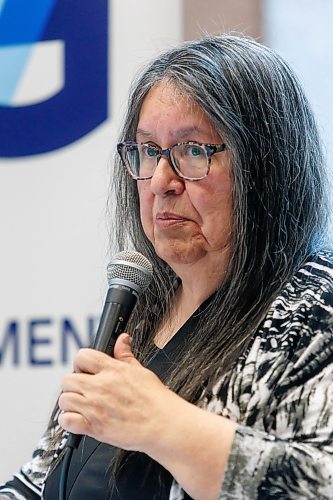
[189, 160]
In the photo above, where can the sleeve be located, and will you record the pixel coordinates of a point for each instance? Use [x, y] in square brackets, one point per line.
[262, 466]
[288, 451]
[283, 449]
[28, 483]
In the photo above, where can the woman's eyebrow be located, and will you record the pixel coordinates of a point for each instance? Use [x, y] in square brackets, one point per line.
[178, 133]
[144, 133]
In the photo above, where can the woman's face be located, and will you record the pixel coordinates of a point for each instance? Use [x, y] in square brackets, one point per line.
[186, 221]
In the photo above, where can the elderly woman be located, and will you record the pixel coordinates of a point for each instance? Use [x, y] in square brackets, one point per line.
[225, 389]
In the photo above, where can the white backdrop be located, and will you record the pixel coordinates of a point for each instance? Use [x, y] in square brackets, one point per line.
[54, 245]
[301, 31]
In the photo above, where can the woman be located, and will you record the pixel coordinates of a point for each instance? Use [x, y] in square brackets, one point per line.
[225, 389]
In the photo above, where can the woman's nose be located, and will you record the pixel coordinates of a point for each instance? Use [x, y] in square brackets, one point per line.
[165, 180]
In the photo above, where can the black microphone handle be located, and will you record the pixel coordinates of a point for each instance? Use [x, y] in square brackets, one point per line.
[119, 304]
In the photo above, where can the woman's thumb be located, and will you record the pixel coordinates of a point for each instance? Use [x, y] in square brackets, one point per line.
[122, 348]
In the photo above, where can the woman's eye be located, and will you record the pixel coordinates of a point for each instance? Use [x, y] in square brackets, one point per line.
[149, 151]
[194, 151]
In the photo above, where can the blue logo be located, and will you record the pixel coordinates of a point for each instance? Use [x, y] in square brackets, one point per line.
[54, 73]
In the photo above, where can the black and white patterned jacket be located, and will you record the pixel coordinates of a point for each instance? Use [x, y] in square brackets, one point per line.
[281, 395]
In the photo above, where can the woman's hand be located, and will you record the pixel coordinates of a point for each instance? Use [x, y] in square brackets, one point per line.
[114, 400]
[119, 402]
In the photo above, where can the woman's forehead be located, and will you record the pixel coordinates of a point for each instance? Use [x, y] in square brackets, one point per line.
[168, 93]
[166, 106]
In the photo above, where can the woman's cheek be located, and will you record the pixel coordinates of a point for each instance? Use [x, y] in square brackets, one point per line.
[146, 214]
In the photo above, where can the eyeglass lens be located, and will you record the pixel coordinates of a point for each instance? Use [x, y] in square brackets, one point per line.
[189, 160]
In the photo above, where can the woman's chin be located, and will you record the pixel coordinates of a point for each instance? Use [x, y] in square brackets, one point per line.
[179, 254]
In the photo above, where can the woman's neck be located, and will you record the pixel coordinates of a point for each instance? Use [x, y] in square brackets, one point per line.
[201, 279]
[197, 285]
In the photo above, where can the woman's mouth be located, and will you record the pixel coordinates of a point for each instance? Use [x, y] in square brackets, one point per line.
[166, 219]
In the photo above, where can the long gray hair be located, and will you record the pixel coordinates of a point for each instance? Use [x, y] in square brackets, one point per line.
[257, 105]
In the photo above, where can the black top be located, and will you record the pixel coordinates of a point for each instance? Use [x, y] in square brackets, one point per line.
[141, 478]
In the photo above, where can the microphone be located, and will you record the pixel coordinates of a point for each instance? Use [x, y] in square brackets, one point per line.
[129, 274]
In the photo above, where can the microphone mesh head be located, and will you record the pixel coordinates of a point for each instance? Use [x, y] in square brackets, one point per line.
[132, 267]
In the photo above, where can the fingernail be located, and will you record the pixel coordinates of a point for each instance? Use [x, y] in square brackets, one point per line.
[127, 340]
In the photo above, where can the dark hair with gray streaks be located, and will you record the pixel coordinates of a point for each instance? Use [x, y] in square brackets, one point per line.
[257, 105]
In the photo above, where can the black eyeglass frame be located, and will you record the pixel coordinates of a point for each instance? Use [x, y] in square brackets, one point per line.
[210, 149]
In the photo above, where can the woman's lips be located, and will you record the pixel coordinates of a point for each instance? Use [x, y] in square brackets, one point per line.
[166, 219]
